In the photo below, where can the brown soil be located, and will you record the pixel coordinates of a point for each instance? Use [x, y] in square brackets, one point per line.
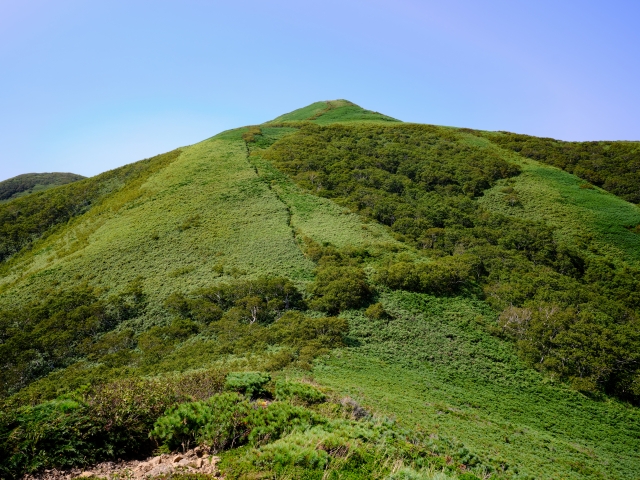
[199, 460]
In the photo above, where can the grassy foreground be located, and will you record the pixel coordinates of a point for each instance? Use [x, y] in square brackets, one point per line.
[433, 367]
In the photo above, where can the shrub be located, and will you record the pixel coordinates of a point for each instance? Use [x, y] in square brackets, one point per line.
[339, 288]
[112, 421]
[299, 392]
[294, 329]
[219, 422]
[250, 384]
[59, 433]
[62, 324]
[254, 301]
[376, 311]
[277, 419]
[446, 276]
[282, 455]
[467, 476]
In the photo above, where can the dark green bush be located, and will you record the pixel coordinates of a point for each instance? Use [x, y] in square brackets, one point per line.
[55, 434]
[219, 422]
[467, 476]
[310, 336]
[261, 300]
[445, 276]
[377, 312]
[111, 421]
[250, 384]
[277, 419]
[339, 288]
[48, 333]
[299, 392]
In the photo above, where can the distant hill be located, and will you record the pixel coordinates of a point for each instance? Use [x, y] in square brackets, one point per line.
[34, 182]
[331, 294]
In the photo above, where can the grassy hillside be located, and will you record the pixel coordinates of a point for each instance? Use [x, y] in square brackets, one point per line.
[34, 182]
[613, 166]
[421, 302]
[432, 366]
[577, 210]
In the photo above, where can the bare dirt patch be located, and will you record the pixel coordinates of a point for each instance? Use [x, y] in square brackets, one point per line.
[196, 461]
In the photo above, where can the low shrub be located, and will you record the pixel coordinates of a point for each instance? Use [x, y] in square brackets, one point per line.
[250, 384]
[111, 421]
[278, 419]
[339, 288]
[299, 392]
[220, 423]
[376, 311]
[446, 276]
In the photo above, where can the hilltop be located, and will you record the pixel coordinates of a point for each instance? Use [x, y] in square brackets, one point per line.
[345, 294]
[34, 182]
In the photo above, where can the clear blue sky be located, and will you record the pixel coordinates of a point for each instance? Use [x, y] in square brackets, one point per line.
[86, 86]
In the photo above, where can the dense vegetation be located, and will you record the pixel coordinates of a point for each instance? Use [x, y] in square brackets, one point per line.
[279, 292]
[235, 319]
[30, 182]
[284, 428]
[24, 220]
[570, 313]
[53, 331]
[614, 166]
[117, 419]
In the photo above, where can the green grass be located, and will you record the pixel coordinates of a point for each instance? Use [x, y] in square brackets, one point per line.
[352, 113]
[330, 112]
[321, 219]
[301, 114]
[434, 368]
[207, 209]
[561, 200]
[215, 214]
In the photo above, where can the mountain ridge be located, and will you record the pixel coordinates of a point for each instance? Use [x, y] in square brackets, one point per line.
[27, 183]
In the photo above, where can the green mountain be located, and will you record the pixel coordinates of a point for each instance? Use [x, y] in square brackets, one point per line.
[342, 295]
[34, 182]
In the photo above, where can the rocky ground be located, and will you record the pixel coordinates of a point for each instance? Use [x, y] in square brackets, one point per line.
[199, 460]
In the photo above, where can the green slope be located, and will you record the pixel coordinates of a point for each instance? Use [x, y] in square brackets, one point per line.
[403, 206]
[332, 111]
[433, 367]
[613, 166]
[577, 210]
[207, 210]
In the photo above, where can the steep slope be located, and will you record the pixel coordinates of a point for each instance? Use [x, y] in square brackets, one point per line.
[205, 217]
[34, 182]
[254, 250]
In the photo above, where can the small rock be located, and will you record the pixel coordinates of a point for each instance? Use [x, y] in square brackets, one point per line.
[85, 474]
[177, 458]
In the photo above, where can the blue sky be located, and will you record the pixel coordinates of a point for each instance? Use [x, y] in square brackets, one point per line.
[89, 86]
